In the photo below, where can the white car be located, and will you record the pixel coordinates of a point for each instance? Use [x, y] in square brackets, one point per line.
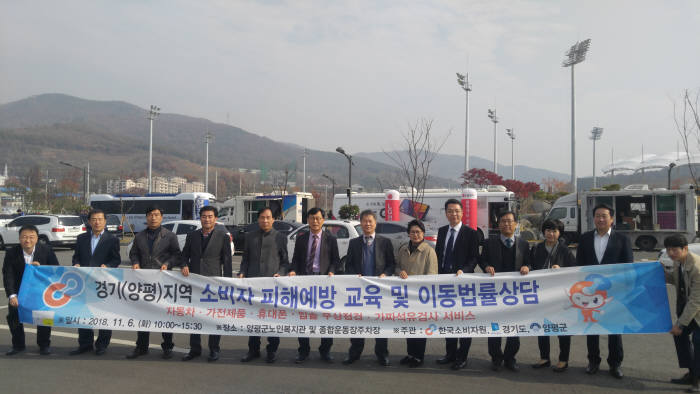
[668, 263]
[57, 230]
[343, 230]
[183, 227]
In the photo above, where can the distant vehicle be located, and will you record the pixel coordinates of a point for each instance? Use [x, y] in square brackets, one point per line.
[7, 218]
[244, 209]
[646, 216]
[113, 226]
[57, 230]
[238, 232]
[183, 227]
[668, 263]
[343, 230]
[183, 206]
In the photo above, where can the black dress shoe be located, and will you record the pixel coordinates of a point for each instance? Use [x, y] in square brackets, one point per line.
[616, 372]
[137, 353]
[415, 363]
[384, 361]
[685, 380]
[167, 354]
[80, 350]
[459, 364]
[563, 368]
[512, 366]
[45, 351]
[592, 368]
[250, 357]
[189, 356]
[542, 364]
[100, 351]
[445, 360]
[349, 361]
[271, 357]
[301, 358]
[14, 351]
[213, 356]
[406, 360]
[327, 357]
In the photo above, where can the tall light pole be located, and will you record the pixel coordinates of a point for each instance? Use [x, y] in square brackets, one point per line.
[332, 183]
[151, 116]
[596, 133]
[511, 135]
[303, 188]
[575, 55]
[494, 119]
[207, 137]
[463, 81]
[86, 179]
[350, 163]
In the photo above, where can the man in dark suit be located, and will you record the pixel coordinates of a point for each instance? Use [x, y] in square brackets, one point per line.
[155, 247]
[95, 248]
[315, 253]
[264, 255]
[604, 246]
[505, 253]
[27, 252]
[369, 255]
[457, 251]
[207, 251]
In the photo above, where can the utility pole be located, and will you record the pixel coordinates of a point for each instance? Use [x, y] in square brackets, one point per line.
[151, 116]
[207, 137]
[494, 119]
[511, 134]
[596, 133]
[303, 188]
[463, 81]
[576, 54]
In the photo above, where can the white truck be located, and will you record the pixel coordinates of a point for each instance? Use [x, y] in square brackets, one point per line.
[244, 209]
[646, 216]
[432, 208]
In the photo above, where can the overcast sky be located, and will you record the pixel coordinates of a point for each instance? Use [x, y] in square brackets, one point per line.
[354, 74]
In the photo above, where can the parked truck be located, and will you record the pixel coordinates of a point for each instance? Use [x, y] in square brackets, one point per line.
[244, 209]
[646, 216]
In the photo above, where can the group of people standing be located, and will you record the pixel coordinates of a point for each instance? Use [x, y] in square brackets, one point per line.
[207, 252]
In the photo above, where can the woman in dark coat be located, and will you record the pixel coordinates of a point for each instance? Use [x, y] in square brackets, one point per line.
[553, 253]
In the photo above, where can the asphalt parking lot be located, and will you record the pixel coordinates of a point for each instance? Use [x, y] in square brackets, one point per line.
[650, 361]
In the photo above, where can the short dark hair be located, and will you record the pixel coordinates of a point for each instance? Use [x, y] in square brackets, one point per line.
[96, 211]
[209, 208]
[604, 206]
[263, 209]
[316, 210]
[505, 212]
[368, 212]
[676, 241]
[415, 223]
[453, 201]
[152, 208]
[29, 227]
[553, 224]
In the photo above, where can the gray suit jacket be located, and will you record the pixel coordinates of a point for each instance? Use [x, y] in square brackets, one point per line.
[211, 260]
[252, 267]
[166, 250]
[691, 278]
[491, 254]
[384, 260]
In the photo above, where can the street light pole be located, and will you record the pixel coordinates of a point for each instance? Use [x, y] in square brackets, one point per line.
[511, 134]
[86, 178]
[494, 119]
[575, 55]
[463, 81]
[670, 167]
[207, 137]
[596, 133]
[350, 163]
[151, 116]
[303, 189]
[332, 183]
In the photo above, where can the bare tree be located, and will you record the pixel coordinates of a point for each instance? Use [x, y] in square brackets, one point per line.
[688, 125]
[421, 148]
[280, 180]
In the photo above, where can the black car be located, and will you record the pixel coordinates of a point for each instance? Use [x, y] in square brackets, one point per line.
[239, 231]
[113, 226]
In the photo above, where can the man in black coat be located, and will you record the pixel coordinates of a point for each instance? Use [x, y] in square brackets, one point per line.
[155, 247]
[369, 255]
[604, 246]
[95, 248]
[457, 251]
[264, 255]
[207, 251]
[315, 253]
[27, 252]
[505, 253]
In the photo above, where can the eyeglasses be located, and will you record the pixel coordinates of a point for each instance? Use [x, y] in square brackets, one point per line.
[453, 211]
[415, 232]
[507, 221]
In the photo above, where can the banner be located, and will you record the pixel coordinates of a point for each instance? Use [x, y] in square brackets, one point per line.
[604, 299]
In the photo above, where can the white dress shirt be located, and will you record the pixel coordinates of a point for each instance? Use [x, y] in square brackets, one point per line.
[600, 243]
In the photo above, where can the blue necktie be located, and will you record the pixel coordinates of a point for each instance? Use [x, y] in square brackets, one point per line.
[448, 252]
[509, 242]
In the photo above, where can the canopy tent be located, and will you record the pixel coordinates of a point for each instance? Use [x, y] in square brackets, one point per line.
[651, 162]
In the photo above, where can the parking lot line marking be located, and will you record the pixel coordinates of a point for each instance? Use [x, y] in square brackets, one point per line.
[3, 307]
[71, 335]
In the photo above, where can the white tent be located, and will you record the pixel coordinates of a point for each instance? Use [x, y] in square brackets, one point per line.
[651, 162]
